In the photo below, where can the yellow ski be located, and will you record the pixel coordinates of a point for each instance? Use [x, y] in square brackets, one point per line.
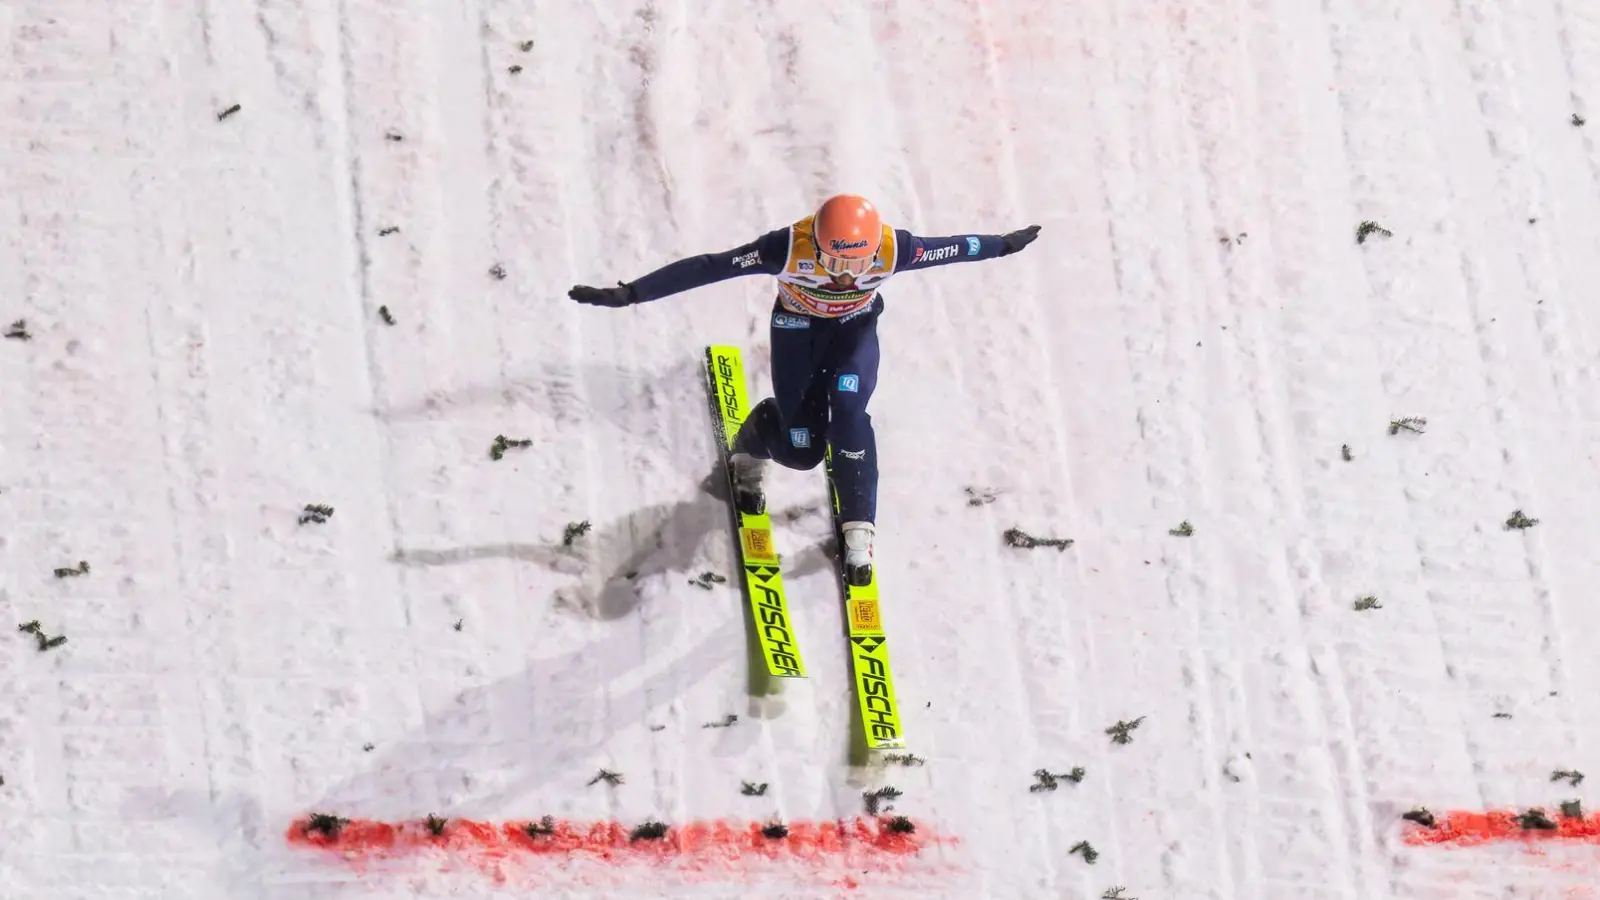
[758, 553]
[869, 649]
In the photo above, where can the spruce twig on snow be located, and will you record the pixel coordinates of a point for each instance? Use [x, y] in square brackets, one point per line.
[385, 315]
[1116, 894]
[316, 513]
[902, 825]
[649, 831]
[1578, 121]
[81, 569]
[574, 531]
[979, 496]
[876, 800]
[707, 579]
[1535, 820]
[1122, 732]
[1413, 424]
[545, 827]
[1570, 776]
[727, 721]
[18, 331]
[1184, 529]
[1422, 817]
[607, 776]
[1045, 780]
[1345, 454]
[1016, 537]
[388, 230]
[776, 831]
[751, 789]
[1087, 850]
[903, 759]
[1517, 521]
[501, 444]
[1367, 602]
[436, 824]
[327, 825]
[228, 112]
[1368, 228]
[45, 641]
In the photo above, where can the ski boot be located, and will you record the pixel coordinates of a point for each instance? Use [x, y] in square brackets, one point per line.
[747, 473]
[857, 552]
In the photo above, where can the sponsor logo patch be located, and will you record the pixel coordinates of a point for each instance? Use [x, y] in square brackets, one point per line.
[785, 320]
[747, 260]
[846, 245]
[924, 255]
[805, 265]
[850, 383]
[800, 437]
[972, 246]
[854, 454]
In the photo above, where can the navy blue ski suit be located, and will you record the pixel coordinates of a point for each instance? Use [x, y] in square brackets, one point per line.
[824, 344]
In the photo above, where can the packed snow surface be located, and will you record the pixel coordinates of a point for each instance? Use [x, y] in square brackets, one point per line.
[1197, 336]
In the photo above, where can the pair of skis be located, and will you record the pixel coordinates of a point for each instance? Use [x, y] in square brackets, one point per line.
[763, 575]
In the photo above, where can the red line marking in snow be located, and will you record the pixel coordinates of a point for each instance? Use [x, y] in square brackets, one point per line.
[863, 845]
[1466, 829]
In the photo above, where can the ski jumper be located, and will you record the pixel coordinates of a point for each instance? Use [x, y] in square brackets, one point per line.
[824, 345]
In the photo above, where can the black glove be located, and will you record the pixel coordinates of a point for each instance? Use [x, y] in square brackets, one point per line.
[1016, 240]
[621, 295]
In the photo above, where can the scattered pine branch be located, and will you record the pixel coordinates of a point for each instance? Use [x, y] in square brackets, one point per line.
[1572, 809]
[1116, 894]
[979, 496]
[1122, 732]
[1422, 817]
[608, 777]
[385, 232]
[1578, 121]
[459, 624]
[1535, 820]
[1087, 850]
[904, 759]
[574, 531]
[18, 331]
[368, 748]
[436, 824]
[902, 825]
[525, 46]
[385, 315]
[777, 831]
[1184, 529]
[1366, 603]
[727, 720]
[515, 70]
[498, 271]
[392, 135]
[81, 569]
[876, 799]
[1570, 776]
[45, 641]
[316, 512]
[502, 444]
[649, 831]
[1016, 537]
[658, 728]
[1413, 424]
[751, 789]
[1045, 780]
[1502, 715]
[1517, 521]
[707, 579]
[228, 112]
[1368, 228]
[326, 825]
[545, 827]
[1345, 454]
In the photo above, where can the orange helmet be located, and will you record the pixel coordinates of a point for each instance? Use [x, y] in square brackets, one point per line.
[848, 231]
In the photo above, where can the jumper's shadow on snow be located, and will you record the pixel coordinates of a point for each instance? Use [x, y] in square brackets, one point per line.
[574, 394]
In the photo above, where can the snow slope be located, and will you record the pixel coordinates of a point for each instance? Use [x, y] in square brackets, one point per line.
[207, 358]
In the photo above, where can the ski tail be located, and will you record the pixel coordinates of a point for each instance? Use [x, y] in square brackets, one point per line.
[869, 646]
[758, 551]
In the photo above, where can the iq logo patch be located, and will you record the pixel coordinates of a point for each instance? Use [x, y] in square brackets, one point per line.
[850, 383]
[800, 437]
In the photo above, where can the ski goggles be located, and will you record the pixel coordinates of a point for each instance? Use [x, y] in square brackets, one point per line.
[856, 266]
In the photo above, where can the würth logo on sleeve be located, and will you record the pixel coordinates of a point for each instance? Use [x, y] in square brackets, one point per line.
[925, 255]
